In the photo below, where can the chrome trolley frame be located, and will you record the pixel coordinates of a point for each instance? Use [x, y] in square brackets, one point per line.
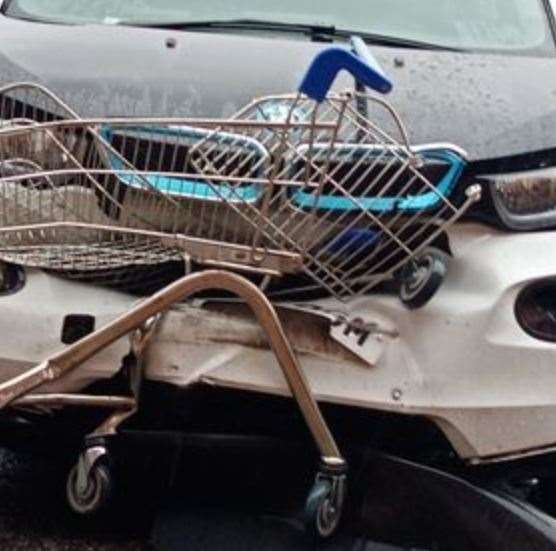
[301, 184]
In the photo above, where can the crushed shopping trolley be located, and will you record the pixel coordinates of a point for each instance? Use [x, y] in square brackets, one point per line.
[306, 186]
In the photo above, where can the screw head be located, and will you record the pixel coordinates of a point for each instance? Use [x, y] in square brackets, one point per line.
[397, 394]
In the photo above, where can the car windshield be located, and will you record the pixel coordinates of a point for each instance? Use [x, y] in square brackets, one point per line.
[510, 25]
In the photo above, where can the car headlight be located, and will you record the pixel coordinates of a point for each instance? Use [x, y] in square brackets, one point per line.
[526, 200]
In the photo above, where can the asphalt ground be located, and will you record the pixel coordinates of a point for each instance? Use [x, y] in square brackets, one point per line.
[251, 500]
[154, 508]
[213, 503]
[186, 488]
[34, 514]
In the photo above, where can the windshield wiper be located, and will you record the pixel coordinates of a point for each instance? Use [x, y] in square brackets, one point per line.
[314, 31]
[399, 42]
[255, 24]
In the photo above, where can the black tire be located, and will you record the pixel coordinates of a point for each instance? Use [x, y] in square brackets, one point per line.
[421, 279]
[323, 511]
[97, 494]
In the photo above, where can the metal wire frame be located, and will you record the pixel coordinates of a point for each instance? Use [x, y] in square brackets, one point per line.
[89, 195]
[74, 207]
[363, 132]
[16, 392]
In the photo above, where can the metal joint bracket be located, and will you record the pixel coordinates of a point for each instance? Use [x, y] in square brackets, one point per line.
[141, 337]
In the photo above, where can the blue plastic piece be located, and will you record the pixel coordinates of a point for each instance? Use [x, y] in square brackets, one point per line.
[325, 68]
[182, 187]
[364, 53]
[354, 241]
[384, 205]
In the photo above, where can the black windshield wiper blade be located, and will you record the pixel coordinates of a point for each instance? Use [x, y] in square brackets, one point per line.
[255, 24]
[313, 30]
[397, 42]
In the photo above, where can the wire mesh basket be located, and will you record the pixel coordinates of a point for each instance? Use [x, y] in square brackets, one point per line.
[303, 184]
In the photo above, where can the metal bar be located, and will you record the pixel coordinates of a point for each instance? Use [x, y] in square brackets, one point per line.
[134, 122]
[268, 260]
[146, 173]
[242, 267]
[80, 400]
[74, 355]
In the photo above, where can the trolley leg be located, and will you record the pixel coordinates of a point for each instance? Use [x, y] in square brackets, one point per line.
[74, 355]
[90, 482]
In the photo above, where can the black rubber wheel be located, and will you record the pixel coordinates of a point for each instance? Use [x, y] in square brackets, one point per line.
[96, 495]
[323, 510]
[421, 279]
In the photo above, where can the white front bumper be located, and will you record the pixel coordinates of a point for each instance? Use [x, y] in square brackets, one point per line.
[462, 361]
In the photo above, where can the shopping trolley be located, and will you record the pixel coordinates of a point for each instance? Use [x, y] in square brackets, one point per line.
[304, 185]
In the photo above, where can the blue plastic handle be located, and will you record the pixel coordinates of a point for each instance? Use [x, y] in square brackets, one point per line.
[327, 64]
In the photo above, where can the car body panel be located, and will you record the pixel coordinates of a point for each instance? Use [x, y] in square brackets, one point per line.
[489, 104]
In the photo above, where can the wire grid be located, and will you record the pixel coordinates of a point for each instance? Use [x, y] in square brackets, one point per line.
[281, 188]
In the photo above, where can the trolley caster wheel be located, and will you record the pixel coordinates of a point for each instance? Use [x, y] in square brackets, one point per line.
[324, 507]
[88, 491]
[421, 279]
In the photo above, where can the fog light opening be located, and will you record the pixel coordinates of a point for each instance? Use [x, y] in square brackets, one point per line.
[535, 310]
